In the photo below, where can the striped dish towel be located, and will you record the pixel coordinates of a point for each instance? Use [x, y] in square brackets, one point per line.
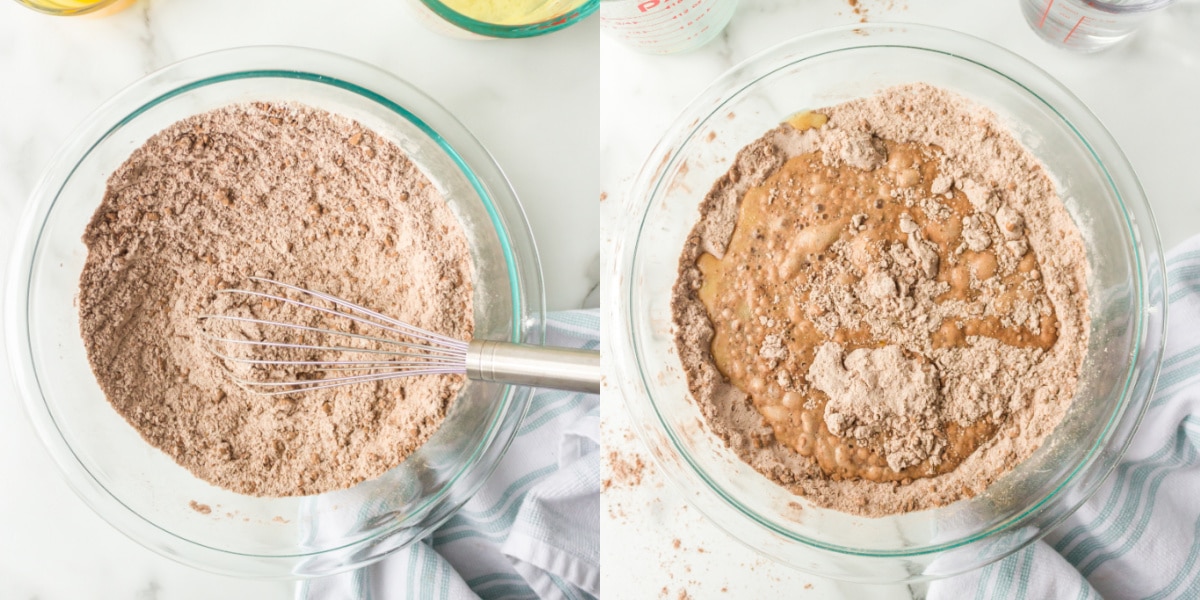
[533, 530]
[1139, 535]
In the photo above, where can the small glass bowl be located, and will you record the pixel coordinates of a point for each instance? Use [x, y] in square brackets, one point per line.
[72, 8]
[139, 489]
[1128, 309]
[568, 13]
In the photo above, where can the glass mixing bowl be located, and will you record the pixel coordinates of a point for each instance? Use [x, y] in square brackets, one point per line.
[1101, 192]
[139, 489]
[546, 17]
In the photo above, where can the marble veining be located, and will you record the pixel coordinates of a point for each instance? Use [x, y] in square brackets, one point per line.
[154, 53]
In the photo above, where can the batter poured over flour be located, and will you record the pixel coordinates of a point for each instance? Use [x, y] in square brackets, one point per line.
[884, 303]
[285, 192]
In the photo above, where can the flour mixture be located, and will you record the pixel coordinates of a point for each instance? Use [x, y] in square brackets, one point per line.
[884, 304]
[285, 192]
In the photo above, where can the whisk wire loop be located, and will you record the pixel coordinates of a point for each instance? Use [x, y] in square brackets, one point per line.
[428, 354]
[299, 364]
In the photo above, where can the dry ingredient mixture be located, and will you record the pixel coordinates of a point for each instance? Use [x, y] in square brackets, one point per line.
[285, 192]
[884, 304]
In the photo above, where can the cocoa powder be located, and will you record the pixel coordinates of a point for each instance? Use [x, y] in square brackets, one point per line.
[290, 193]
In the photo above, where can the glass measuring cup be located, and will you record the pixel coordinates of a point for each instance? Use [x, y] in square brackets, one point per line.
[665, 26]
[1087, 25]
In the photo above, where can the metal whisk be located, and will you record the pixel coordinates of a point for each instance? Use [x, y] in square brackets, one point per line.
[416, 352]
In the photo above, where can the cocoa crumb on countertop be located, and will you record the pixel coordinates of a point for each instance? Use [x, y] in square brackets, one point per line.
[625, 471]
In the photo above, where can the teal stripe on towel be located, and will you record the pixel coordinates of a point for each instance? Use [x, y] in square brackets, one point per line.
[508, 590]
[982, 589]
[482, 515]
[1026, 569]
[585, 323]
[1181, 356]
[412, 572]
[1148, 474]
[428, 572]
[522, 594]
[1186, 454]
[443, 584]
[534, 424]
[1183, 256]
[1004, 544]
[1187, 289]
[567, 590]
[360, 587]
[483, 580]
[1004, 580]
[1113, 501]
[1177, 375]
[494, 530]
[1189, 565]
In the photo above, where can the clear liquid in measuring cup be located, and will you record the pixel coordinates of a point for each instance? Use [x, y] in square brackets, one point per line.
[1087, 25]
[665, 26]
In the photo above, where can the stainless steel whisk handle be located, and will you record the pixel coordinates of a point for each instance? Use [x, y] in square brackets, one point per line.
[538, 366]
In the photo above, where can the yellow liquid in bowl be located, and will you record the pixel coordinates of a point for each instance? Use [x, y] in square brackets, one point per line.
[76, 7]
[512, 12]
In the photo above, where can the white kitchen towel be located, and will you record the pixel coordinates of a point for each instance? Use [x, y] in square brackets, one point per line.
[533, 530]
[1139, 535]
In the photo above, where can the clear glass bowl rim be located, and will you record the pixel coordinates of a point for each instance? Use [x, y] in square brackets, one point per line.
[954, 45]
[504, 209]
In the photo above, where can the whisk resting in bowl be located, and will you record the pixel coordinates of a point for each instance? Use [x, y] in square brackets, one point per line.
[394, 349]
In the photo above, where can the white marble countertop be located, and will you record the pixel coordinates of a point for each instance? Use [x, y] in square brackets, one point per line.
[1145, 93]
[533, 104]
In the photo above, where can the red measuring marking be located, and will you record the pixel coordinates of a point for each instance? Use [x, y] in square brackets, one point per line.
[1072, 31]
[1044, 13]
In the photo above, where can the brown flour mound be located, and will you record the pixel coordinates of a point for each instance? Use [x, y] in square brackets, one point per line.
[290, 193]
[883, 306]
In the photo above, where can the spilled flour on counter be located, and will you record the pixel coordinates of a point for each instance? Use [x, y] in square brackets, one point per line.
[289, 193]
[884, 304]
